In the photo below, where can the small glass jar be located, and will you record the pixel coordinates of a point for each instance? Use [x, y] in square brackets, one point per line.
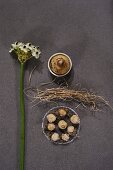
[59, 64]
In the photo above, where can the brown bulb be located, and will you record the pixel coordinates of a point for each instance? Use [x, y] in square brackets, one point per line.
[60, 62]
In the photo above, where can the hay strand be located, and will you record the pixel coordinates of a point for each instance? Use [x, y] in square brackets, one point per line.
[87, 99]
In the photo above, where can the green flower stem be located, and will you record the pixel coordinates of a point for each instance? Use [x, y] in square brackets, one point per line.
[22, 126]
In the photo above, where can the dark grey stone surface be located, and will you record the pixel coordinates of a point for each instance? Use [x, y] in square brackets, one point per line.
[84, 30]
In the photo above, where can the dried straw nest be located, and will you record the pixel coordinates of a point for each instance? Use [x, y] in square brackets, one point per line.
[83, 97]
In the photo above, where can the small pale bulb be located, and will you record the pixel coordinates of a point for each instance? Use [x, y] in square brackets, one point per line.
[55, 137]
[51, 118]
[65, 137]
[62, 124]
[70, 129]
[75, 119]
[51, 126]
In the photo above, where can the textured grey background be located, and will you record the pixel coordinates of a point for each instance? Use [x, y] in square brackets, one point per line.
[84, 30]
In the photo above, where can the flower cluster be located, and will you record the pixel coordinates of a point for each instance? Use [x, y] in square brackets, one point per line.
[25, 51]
